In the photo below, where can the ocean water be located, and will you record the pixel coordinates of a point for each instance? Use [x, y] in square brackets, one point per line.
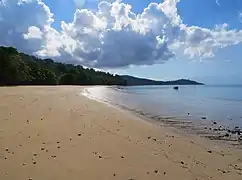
[192, 104]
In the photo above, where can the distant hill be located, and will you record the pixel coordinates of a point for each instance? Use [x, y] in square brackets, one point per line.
[134, 81]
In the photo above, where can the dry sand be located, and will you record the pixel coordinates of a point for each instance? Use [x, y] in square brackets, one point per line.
[53, 133]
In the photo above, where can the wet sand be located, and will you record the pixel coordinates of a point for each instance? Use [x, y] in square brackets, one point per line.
[56, 133]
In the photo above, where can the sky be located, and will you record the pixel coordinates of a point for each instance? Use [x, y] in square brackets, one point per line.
[162, 40]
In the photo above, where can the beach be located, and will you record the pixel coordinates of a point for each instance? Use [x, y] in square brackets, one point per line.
[57, 133]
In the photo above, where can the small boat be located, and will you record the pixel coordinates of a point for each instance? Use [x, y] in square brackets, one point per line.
[176, 87]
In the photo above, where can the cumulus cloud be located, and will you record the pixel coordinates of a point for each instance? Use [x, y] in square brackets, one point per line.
[217, 2]
[111, 36]
[240, 16]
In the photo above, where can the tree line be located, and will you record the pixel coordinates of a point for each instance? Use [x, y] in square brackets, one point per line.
[22, 69]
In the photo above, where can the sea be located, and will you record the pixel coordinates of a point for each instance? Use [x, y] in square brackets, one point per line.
[196, 108]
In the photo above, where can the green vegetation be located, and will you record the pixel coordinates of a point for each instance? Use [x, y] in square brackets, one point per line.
[22, 69]
[134, 81]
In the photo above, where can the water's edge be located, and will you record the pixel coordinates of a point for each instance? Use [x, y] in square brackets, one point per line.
[211, 130]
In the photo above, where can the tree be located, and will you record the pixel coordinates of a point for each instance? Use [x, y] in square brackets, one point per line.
[67, 79]
[22, 69]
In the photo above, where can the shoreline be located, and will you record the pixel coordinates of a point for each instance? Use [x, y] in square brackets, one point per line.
[56, 133]
[210, 130]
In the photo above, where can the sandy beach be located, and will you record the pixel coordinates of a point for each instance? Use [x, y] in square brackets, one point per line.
[55, 133]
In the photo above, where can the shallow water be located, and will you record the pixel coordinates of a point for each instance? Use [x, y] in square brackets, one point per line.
[222, 104]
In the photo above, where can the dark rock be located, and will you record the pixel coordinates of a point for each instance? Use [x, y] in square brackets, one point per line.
[209, 151]
[42, 149]
[35, 154]
[240, 139]
[79, 134]
[58, 147]
[34, 162]
[156, 171]
[214, 122]
[226, 135]
[6, 149]
[215, 129]
[58, 142]
[164, 173]
[205, 127]
[236, 131]
[182, 162]
[122, 157]
[114, 174]
[154, 139]
[203, 117]
[149, 137]
[100, 157]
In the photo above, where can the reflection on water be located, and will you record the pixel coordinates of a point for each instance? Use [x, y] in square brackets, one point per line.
[216, 103]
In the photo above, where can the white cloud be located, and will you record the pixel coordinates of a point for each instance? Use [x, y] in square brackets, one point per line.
[33, 32]
[240, 16]
[112, 36]
[218, 3]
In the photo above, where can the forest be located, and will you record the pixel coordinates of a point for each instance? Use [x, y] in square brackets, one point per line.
[22, 69]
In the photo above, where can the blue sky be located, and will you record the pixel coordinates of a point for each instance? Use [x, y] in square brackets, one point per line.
[200, 39]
